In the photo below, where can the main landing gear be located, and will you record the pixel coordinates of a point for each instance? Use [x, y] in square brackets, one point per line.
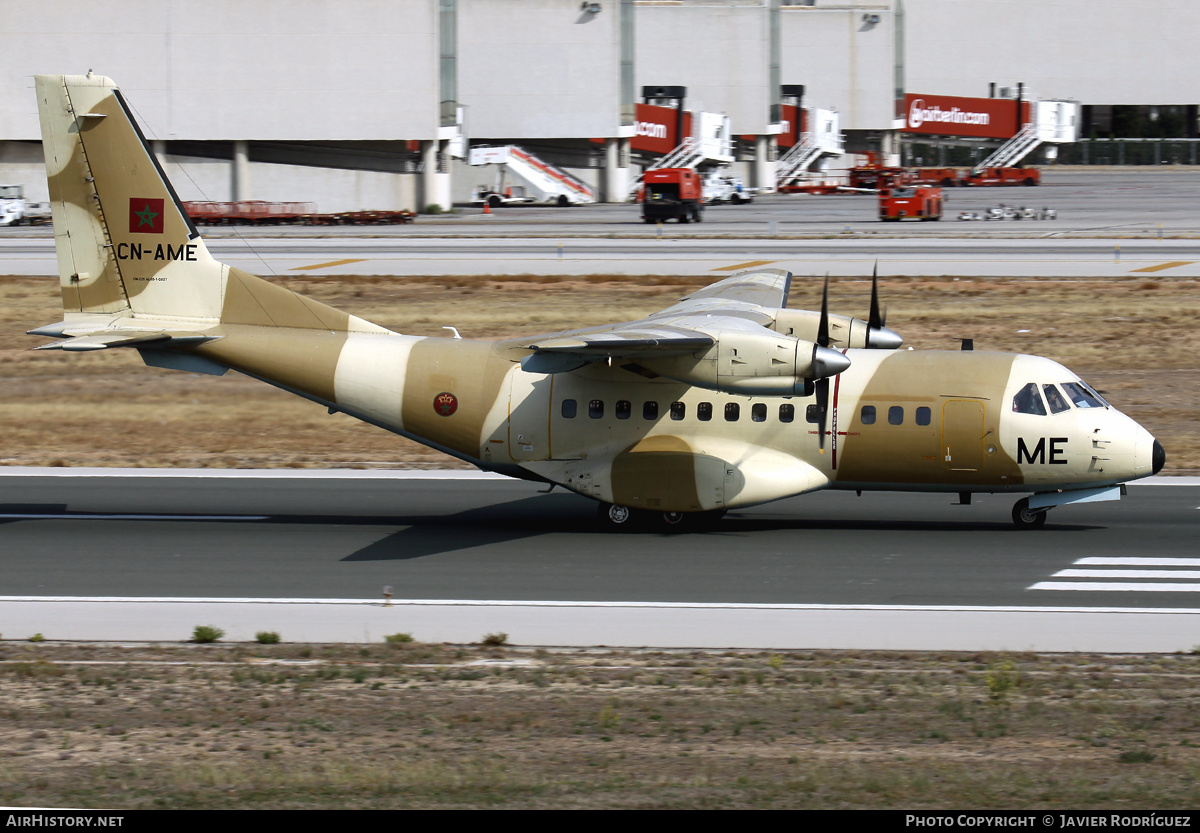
[617, 517]
[1026, 518]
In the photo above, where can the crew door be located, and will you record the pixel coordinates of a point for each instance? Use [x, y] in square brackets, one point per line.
[963, 434]
[530, 395]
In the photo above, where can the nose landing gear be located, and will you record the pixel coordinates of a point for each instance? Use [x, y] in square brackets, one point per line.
[1026, 518]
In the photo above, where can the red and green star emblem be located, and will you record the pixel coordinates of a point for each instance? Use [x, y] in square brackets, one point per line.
[145, 215]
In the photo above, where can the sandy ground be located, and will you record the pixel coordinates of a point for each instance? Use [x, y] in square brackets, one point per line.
[410, 726]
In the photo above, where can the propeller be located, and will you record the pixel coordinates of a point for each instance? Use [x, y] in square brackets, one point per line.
[878, 335]
[826, 363]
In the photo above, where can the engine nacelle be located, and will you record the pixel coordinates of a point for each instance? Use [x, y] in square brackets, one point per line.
[754, 364]
[844, 331]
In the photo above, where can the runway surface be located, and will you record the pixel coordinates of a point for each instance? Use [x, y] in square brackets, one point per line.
[1111, 258]
[477, 554]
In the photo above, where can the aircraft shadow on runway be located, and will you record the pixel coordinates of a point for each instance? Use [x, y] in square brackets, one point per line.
[531, 517]
[562, 514]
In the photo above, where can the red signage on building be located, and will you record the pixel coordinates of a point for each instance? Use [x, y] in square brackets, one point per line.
[656, 128]
[949, 115]
[793, 125]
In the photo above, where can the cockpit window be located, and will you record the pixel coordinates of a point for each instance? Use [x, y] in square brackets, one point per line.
[1055, 400]
[1027, 401]
[1081, 396]
[1094, 393]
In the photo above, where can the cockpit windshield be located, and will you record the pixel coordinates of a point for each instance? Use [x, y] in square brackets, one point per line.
[1082, 395]
[1028, 400]
[1055, 400]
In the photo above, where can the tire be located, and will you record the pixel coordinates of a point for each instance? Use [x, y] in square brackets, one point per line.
[1030, 182]
[615, 516]
[1025, 518]
[495, 201]
[563, 202]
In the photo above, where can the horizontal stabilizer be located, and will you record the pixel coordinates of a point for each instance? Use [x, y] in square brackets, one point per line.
[102, 340]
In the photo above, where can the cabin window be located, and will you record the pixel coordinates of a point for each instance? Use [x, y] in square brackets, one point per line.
[868, 415]
[787, 413]
[596, 408]
[678, 411]
[758, 412]
[650, 410]
[1055, 400]
[812, 414]
[569, 408]
[1027, 401]
[624, 409]
[924, 415]
[895, 415]
[733, 411]
[704, 411]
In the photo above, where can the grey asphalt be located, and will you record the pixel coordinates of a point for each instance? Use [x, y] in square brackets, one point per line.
[338, 536]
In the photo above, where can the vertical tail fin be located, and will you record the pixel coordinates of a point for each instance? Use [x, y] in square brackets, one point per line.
[123, 241]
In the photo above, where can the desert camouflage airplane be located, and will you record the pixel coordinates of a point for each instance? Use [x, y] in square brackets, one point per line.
[726, 399]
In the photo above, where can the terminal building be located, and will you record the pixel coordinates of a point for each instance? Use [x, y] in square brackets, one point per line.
[375, 104]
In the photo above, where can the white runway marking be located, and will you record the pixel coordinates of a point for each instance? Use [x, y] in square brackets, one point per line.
[1117, 586]
[1127, 574]
[1139, 561]
[1107, 567]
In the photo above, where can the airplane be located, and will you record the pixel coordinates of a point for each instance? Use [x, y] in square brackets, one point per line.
[726, 399]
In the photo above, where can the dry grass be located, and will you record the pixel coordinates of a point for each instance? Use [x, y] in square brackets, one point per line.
[432, 726]
[1136, 339]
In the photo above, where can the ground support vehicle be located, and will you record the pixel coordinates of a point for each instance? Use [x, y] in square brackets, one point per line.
[718, 188]
[672, 194]
[536, 181]
[1003, 176]
[910, 202]
[261, 213]
[12, 205]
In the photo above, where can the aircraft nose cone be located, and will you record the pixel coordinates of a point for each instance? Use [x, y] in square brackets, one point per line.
[881, 338]
[1158, 457]
[828, 362]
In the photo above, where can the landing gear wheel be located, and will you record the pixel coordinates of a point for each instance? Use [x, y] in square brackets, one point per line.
[615, 515]
[1026, 518]
[675, 519]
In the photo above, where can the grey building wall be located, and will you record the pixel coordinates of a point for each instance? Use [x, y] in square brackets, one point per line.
[224, 69]
[1093, 51]
[538, 69]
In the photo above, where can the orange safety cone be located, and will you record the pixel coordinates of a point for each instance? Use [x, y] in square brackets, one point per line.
[487, 207]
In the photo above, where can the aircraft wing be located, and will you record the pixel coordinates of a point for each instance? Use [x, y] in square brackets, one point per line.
[746, 301]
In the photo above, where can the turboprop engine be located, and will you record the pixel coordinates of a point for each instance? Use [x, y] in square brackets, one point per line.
[754, 364]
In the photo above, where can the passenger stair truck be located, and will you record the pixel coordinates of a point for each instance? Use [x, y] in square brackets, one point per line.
[1054, 122]
[12, 205]
[816, 145]
[523, 178]
[713, 143]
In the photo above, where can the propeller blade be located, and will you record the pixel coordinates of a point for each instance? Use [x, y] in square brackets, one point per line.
[878, 318]
[823, 328]
[878, 335]
[822, 410]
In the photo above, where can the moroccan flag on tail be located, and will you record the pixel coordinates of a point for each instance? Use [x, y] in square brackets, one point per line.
[145, 215]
